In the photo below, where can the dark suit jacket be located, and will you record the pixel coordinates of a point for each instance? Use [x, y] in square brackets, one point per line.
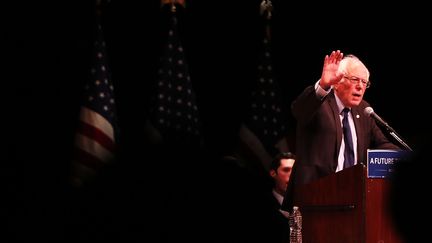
[319, 136]
[279, 231]
[273, 224]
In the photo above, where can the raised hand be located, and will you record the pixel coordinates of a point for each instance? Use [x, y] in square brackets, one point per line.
[330, 74]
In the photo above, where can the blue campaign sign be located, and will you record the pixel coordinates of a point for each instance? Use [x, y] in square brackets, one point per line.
[380, 161]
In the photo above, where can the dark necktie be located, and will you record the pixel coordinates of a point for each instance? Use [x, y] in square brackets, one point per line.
[349, 151]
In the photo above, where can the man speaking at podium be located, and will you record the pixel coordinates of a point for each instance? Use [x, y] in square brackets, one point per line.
[333, 130]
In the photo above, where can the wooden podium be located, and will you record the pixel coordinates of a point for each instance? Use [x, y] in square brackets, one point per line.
[346, 207]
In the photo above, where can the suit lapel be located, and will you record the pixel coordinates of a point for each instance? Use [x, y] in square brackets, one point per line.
[335, 111]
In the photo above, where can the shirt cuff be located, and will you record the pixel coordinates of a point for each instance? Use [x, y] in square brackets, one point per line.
[320, 92]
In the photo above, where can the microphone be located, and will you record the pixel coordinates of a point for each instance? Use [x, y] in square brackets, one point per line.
[370, 112]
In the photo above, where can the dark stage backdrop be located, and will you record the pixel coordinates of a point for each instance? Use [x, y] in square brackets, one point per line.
[46, 60]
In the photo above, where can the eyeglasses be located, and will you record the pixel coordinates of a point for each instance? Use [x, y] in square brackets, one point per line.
[355, 80]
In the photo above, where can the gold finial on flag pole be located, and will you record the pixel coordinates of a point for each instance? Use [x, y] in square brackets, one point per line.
[173, 7]
[266, 7]
[173, 4]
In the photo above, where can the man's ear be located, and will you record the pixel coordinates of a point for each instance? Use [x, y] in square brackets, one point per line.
[272, 173]
[335, 86]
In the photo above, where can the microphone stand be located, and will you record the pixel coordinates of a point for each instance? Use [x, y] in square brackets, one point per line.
[369, 112]
[397, 137]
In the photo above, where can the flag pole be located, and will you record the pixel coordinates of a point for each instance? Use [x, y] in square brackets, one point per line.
[98, 8]
[266, 8]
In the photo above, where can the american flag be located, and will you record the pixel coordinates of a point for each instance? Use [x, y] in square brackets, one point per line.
[265, 128]
[95, 139]
[174, 110]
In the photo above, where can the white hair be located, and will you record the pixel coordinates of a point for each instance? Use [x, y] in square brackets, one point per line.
[349, 61]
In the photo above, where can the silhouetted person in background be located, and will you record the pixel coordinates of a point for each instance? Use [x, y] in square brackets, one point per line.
[280, 171]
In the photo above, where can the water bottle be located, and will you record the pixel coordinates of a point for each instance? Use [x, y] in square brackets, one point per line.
[291, 227]
[295, 222]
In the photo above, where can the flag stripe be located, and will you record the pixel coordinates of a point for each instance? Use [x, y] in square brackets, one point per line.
[88, 159]
[97, 135]
[92, 147]
[95, 119]
[95, 140]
